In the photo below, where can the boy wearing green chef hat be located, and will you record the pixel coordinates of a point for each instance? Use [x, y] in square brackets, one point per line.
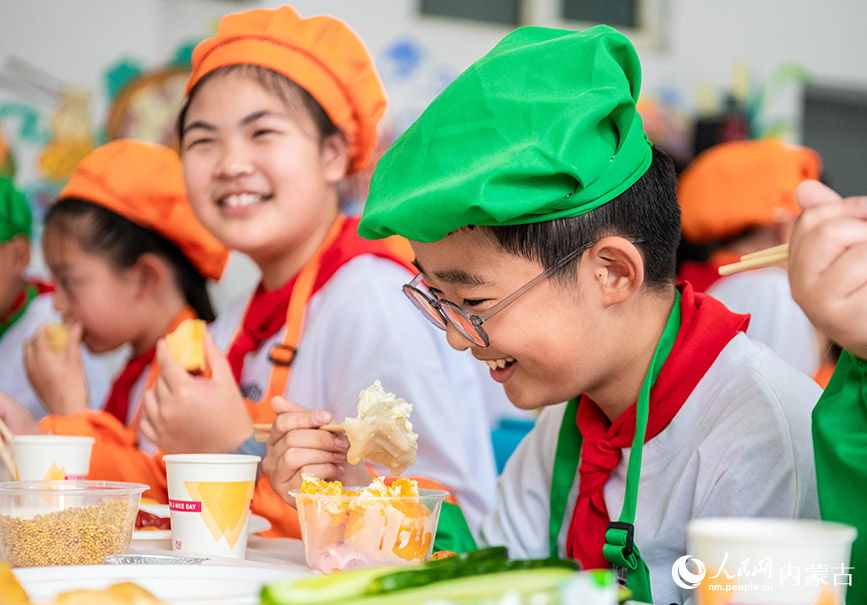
[545, 226]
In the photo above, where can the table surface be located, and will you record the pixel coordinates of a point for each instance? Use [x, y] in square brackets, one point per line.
[286, 553]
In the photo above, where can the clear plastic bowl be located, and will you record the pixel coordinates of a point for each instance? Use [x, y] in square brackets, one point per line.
[46, 523]
[350, 532]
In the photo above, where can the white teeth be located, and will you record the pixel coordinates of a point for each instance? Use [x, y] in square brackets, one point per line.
[496, 364]
[241, 199]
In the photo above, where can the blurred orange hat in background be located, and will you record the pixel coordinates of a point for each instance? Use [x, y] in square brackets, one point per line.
[143, 183]
[321, 54]
[733, 186]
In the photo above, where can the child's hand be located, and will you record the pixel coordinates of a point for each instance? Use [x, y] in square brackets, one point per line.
[19, 420]
[57, 377]
[297, 445]
[828, 264]
[192, 414]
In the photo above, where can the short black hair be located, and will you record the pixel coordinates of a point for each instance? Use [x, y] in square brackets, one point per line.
[121, 241]
[647, 211]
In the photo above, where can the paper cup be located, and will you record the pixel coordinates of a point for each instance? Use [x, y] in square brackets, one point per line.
[209, 501]
[766, 561]
[51, 457]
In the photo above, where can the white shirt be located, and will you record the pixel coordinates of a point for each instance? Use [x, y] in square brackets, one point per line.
[359, 328]
[13, 376]
[740, 446]
[776, 319]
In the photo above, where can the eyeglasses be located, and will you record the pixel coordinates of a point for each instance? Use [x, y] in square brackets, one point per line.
[440, 311]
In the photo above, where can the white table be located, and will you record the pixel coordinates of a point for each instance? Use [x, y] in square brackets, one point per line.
[286, 553]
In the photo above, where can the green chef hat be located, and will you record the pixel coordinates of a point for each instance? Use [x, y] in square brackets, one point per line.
[542, 127]
[15, 216]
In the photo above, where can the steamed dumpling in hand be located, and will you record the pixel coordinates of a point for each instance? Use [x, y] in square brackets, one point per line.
[382, 433]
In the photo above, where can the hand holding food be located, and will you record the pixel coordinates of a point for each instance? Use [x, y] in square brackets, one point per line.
[187, 344]
[52, 360]
[186, 413]
[297, 445]
[382, 431]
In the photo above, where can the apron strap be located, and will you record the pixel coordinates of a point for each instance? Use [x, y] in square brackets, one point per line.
[282, 355]
[619, 549]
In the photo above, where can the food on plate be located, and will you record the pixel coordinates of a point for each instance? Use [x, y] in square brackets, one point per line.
[382, 431]
[145, 520]
[377, 525]
[442, 554]
[124, 593]
[82, 535]
[187, 344]
[481, 575]
[58, 335]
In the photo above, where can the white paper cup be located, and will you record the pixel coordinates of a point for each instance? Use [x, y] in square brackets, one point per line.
[52, 457]
[209, 498]
[766, 561]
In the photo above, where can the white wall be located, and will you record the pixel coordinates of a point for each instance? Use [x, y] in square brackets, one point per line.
[77, 40]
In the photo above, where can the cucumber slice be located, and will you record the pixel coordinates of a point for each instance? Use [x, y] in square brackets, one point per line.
[475, 588]
[430, 574]
[329, 588]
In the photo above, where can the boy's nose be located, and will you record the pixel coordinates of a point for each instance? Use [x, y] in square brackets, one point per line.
[456, 340]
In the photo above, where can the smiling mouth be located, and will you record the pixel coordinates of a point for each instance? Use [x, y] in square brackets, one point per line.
[242, 200]
[499, 364]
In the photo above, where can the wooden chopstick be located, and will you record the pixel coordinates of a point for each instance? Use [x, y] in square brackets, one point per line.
[782, 248]
[5, 444]
[263, 429]
[756, 260]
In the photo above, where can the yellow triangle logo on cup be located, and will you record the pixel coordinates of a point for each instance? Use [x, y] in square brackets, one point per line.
[225, 506]
[55, 473]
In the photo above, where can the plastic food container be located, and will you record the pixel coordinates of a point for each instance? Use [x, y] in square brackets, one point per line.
[46, 523]
[353, 531]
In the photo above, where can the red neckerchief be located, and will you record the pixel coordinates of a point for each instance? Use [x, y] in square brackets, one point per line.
[31, 290]
[266, 311]
[117, 403]
[703, 275]
[706, 328]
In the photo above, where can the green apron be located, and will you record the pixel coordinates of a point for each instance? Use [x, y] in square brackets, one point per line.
[840, 447]
[619, 549]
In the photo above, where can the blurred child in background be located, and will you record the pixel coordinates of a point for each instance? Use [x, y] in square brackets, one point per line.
[131, 263]
[737, 198]
[26, 306]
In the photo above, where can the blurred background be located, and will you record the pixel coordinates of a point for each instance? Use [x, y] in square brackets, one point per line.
[75, 73]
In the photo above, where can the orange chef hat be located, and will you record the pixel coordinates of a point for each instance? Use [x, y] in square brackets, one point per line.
[143, 183]
[321, 54]
[733, 186]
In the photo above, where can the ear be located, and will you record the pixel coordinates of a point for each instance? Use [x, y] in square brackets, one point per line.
[335, 157]
[19, 248]
[150, 274]
[617, 268]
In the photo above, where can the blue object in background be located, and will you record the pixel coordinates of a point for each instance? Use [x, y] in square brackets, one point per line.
[506, 437]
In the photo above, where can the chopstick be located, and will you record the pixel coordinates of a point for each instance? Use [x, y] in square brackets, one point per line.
[754, 260]
[5, 442]
[263, 429]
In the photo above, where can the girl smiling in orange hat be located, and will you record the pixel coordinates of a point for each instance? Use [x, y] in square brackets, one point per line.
[279, 110]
